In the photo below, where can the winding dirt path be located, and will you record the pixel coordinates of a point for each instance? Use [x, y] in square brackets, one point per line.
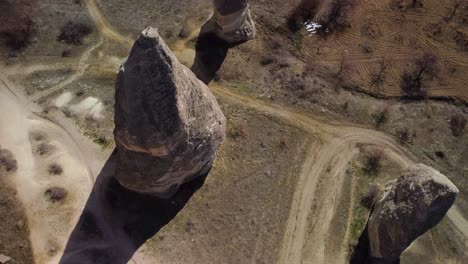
[80, 70]
[49, 224]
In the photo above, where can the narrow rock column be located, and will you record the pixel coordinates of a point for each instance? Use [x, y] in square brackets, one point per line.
[408, 207]
[232, 21]
[168, 124]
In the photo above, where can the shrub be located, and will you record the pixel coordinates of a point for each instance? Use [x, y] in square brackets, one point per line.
[237, 130]
[283, 142]
[301, 14]
[440, 154]
[43, 149]
[74, 32]
[55, 169]
[370, 197]
[55, 194]
[403, 135]
[7, 161]
[381, 117]
[266, 60]
[16, 24]
[373, 161]
[336, 18]
[412, 82]
[457, 124]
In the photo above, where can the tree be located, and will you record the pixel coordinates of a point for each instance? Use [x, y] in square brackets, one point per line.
[16, 24]
[373, 161]
[381, 117]
[412, 82]
[377, 79]
[457, 124]
[301, 14]
[74, 32]
[453, 9]
[336, 17]
[414, 3]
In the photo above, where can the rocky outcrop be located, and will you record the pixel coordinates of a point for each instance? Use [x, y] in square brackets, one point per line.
[407, 208]
[231, 21]
[168, 124]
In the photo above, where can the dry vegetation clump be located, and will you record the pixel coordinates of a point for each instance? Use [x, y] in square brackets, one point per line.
[371, 195]
[407, 4]
[381, 117]
[237, 130]
[373, 162]
[453, 9]
[457, 124]
[8, 163]
[16, 24]
[404, 135]
[74, 32]
[336, 18]
[378, 78]
[413, 82]
[55, 194]
[461, 39]
[43, 149]
[55, 169]
[301, 14]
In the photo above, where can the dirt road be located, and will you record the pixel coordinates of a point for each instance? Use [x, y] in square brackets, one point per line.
[23, 132]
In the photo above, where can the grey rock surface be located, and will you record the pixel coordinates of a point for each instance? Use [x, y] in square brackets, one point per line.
[231, 21]
[408, 207]
[168, 124]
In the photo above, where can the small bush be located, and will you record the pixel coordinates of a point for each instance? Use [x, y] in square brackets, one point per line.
[373, 161]
[66, 53]
[457, 124]
[283, 142]
[55, 194]
[16, 24]
[43, 149]
[403, 135]
[413, 82]
[55, 169]
[440, 154]
[74, 32]
[7, 161]
[301, 14]
[370, 197]
[238, 130]
[336, 18]
[266, 60]
[381, 117]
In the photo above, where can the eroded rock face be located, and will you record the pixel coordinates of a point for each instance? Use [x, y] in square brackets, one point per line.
[168, 124]
[409, 207]
[231, 21]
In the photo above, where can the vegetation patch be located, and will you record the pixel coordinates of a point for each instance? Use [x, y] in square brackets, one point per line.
[8, 163]
[74, 32]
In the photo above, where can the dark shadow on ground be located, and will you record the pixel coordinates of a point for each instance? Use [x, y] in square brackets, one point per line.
[116, 222]
[211, 51]
[361, 253]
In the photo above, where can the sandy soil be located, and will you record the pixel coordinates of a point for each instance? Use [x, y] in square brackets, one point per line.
[23, 131]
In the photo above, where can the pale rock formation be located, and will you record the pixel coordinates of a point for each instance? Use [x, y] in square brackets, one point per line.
[408, 207]
[231, 21]
[168, 124]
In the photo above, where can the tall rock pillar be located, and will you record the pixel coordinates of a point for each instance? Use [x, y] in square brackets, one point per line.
[232, 21]
[168, 124]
